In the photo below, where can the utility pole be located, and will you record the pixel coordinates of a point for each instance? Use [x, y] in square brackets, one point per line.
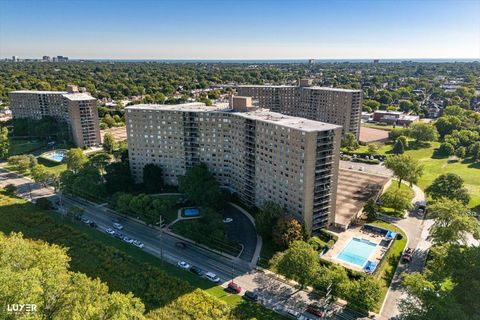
[160, 221]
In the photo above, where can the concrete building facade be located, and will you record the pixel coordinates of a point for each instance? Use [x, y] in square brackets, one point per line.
[259, 155]
[75, 107]
[342, 107]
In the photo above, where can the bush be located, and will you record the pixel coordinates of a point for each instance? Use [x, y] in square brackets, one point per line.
[43, 203]
[326, 236]
[10, 189]
[367, 161]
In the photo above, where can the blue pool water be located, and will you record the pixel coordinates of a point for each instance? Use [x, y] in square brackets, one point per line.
[57, 157]
[357, 252]
[191, 212]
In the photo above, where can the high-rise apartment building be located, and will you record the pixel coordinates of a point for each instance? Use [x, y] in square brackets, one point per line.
[260, 155]
[337, 106]
[75, 107]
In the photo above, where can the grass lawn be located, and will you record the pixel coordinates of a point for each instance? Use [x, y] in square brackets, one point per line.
[435, 166]
[51, 166]
[386, 269]
[378, 126]
[22, 146]
[123, 267]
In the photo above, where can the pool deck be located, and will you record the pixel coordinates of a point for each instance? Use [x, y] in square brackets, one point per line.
[345, 237]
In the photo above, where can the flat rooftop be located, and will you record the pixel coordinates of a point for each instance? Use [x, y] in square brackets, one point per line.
[259, 114]
[79, 96]
[354, 190]
[305, 87]
[39, 92]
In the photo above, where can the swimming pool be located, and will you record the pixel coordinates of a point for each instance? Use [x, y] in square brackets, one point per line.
[190, 212]
[357, 252]
[57, 155]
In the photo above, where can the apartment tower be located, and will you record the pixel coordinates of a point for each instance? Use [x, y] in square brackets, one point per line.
[342, 107]
[257, 154]
[75, 106]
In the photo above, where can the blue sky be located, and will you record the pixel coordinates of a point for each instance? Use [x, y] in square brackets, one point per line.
[246, 29]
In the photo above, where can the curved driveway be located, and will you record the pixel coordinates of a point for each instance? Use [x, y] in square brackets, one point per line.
[241, 230]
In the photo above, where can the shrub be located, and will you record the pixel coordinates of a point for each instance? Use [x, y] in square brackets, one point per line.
[43, 203]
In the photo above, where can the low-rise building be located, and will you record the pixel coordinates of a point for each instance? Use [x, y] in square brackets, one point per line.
[394, 118]
[258, 154]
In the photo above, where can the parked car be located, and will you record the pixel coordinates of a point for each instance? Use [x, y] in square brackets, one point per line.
[183, 265]
[127, 239]
[92, 224]
[110, 231]
[118, 226]
[118, 235]
[250, 295]
[407, 255]
[292, 313]
[212, 277]
[78, 217]
[182, 245]
[316, 310]
[233, 287]
[85, 220]
[196, 270]
[227, 220]
[138, 244]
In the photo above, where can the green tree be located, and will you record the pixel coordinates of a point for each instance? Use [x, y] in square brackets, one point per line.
[286, 231]
[446, 124]
[58, 292]
[4, 142]
[453, 222]
[350, 142]
[201, 187]
[448, 185]
[398, 200]
[365, 293]
[99, 160]
[266, 217]
[405, 168]
[474, 151]
[117, 177]
[23, 163]
[75, 159]
[446, 149]
[152, 178]
[299, 263]
[109, 143]
[398, 147]
[423, 132]
[371, 209]
[461, 152]
[373, 148]
[41, 175]
[335, 277]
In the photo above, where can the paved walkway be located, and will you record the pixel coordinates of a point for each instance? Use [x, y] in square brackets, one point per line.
[416, 229]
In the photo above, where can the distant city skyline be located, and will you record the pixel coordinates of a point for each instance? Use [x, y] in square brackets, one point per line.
[240, 30]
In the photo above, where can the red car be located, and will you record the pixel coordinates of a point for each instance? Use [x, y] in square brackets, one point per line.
[234, 288]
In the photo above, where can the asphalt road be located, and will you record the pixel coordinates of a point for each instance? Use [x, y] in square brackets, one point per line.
[273, 293]
[242, 231]
[152, 238]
